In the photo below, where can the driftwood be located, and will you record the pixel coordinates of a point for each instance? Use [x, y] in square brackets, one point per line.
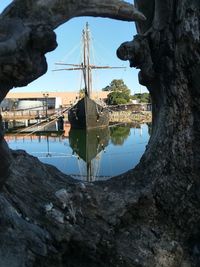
[146, 217]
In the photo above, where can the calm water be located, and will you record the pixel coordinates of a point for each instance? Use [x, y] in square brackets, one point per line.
[95, 155]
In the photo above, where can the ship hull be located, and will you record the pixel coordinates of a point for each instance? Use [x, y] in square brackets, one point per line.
[87, 114]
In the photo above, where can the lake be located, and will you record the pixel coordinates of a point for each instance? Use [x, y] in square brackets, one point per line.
[90, 156]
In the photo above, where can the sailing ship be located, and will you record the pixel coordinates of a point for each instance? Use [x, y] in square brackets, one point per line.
[87, 113]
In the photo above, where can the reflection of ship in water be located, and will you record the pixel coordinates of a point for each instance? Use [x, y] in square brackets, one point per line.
[88, 145]
[123, 146]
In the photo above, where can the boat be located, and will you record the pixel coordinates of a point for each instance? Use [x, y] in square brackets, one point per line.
[87, 113]
[88, 146]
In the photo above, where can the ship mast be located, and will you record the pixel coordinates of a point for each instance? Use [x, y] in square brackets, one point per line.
[85, 66]
[86, 61]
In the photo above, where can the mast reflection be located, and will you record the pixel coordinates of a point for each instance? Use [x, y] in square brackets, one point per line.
[88, 146]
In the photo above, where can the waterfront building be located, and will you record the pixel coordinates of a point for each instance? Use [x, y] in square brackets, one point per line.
[25, 100]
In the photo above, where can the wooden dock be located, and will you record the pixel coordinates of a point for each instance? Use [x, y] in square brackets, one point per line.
[15, 120]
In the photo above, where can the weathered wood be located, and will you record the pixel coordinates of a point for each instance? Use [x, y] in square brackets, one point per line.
[56, 12]
[166, 50]
[147, 217]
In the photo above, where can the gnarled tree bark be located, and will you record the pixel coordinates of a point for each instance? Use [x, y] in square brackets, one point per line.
[166, 50]
[146, 217]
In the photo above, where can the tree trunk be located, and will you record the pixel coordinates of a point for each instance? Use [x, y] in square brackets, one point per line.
[166, 50]
[147, 217]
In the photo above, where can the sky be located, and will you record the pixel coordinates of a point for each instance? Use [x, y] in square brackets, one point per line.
[106, 37]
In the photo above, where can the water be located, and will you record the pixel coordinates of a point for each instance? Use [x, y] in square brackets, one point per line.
[95, 155]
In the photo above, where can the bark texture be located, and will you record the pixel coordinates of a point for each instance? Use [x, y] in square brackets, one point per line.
[166, 50]
[147, 217]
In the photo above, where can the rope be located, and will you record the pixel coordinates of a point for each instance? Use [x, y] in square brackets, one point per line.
[23, 130]
[99, 176]
[61, 154]
[70, 52]
[116, 124]
[96, 73]
[43, 157]
[42, 126]
[32, 126]
[22, 109]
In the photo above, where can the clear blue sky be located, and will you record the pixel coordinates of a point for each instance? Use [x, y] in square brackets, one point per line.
[107, 35]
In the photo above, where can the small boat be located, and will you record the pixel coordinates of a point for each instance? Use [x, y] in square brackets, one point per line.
[87, 113]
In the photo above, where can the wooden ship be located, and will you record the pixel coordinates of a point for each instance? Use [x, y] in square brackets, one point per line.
[87, 113]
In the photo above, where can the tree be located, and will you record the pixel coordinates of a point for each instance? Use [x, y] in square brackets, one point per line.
[119, 92]
[166, 50]
[117, 85]
[142, 98]
[147, 217]
[105, 89]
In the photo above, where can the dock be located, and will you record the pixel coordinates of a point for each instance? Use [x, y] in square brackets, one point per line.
[32, 120]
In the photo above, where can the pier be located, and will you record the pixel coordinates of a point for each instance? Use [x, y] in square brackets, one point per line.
[28, 120]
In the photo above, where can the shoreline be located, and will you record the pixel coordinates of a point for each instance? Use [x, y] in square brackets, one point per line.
[129, 116]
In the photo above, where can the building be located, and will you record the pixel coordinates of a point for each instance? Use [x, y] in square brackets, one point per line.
[27, 100]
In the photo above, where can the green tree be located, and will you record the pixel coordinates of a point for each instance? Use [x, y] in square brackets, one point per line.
[142, 98]
[117, 98]
[117, 86]
[107, 88]
[119, 92]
